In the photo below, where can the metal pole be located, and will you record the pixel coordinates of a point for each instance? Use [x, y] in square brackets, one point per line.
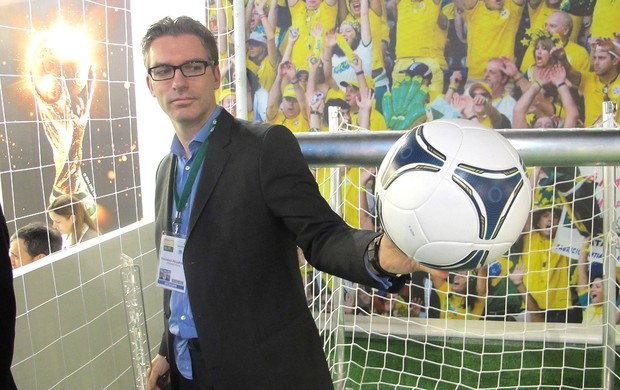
[610, 250]
[241, 81]
[338, 290]
[549, 147]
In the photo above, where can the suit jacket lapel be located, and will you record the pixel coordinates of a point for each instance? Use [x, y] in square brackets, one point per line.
[212, 167]
[163, 191]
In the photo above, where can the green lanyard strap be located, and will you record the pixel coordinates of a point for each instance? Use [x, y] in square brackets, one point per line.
[181, 201]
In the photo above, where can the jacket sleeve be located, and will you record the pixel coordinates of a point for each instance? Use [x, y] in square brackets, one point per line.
[328, 243]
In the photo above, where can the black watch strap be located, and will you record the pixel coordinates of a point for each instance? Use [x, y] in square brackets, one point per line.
[373, 258]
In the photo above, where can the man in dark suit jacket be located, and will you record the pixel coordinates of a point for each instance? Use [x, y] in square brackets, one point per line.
[253, 202]
[7, 319]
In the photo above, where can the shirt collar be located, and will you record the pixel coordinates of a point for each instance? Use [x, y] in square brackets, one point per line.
[177, 148]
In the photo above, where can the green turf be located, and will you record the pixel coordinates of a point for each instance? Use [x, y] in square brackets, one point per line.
[471, 364]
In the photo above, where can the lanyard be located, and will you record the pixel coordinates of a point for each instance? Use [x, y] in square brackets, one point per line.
[181, 201]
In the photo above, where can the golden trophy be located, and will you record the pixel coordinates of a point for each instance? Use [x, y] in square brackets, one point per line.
[63, 83]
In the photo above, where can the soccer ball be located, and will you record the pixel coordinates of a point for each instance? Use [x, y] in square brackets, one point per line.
[453, 194]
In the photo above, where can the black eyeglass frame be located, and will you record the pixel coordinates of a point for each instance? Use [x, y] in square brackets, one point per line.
[180, 67]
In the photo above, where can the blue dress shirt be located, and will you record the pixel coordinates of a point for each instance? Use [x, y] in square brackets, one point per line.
[181, 322]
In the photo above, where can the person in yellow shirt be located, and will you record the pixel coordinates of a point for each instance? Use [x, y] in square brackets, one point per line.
[380, 37]
[262, 58]
[561, 23]
[547, 273]
[466, 295]
[605, 19]
[539, 102]
[354, 188]
[255, 14]
[590, 287]
[319, 113]
[352, 42]
[305, 16]
[354, 90]
[221, 22]
[228, 100]
[496, 77]
[492, 27]
[603, 84]
[318, 86]
[478, 106]
[287, 103]
[540, 10]
[542, 56]
[352, 96]
[417, 39]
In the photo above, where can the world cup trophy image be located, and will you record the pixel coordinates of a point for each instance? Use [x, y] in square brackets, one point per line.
[62, 77]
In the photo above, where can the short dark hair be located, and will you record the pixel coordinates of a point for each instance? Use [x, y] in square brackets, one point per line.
[179, 26]
[39, 239]
[334, 102]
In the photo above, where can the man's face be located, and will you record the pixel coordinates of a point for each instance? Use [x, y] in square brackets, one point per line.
[555, 25]
[603, 62]
[494, 76]
[188, 101]
[351, 94]
[290, 107]
[18, 253]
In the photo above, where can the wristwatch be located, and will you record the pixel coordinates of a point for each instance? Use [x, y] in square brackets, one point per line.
[373, 258]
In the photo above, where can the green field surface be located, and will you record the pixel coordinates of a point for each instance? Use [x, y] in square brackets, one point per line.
[457, 363]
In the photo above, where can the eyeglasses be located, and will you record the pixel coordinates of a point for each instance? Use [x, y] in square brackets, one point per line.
[485, 95]
[188, 69]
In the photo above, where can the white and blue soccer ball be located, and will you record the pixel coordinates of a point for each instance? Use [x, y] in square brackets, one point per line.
[453, 194]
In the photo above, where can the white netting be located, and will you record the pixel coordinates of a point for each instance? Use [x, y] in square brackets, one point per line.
[419, 338]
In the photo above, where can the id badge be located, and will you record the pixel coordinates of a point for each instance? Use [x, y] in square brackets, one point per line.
[171, 275]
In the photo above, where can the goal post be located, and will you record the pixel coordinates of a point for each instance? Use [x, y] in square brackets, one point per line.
[376, 340]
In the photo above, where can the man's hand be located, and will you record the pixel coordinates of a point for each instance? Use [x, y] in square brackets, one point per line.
[395, 261]
[159, 367]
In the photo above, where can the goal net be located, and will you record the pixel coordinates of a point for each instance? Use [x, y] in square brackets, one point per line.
[470, 330]
[473, 330]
